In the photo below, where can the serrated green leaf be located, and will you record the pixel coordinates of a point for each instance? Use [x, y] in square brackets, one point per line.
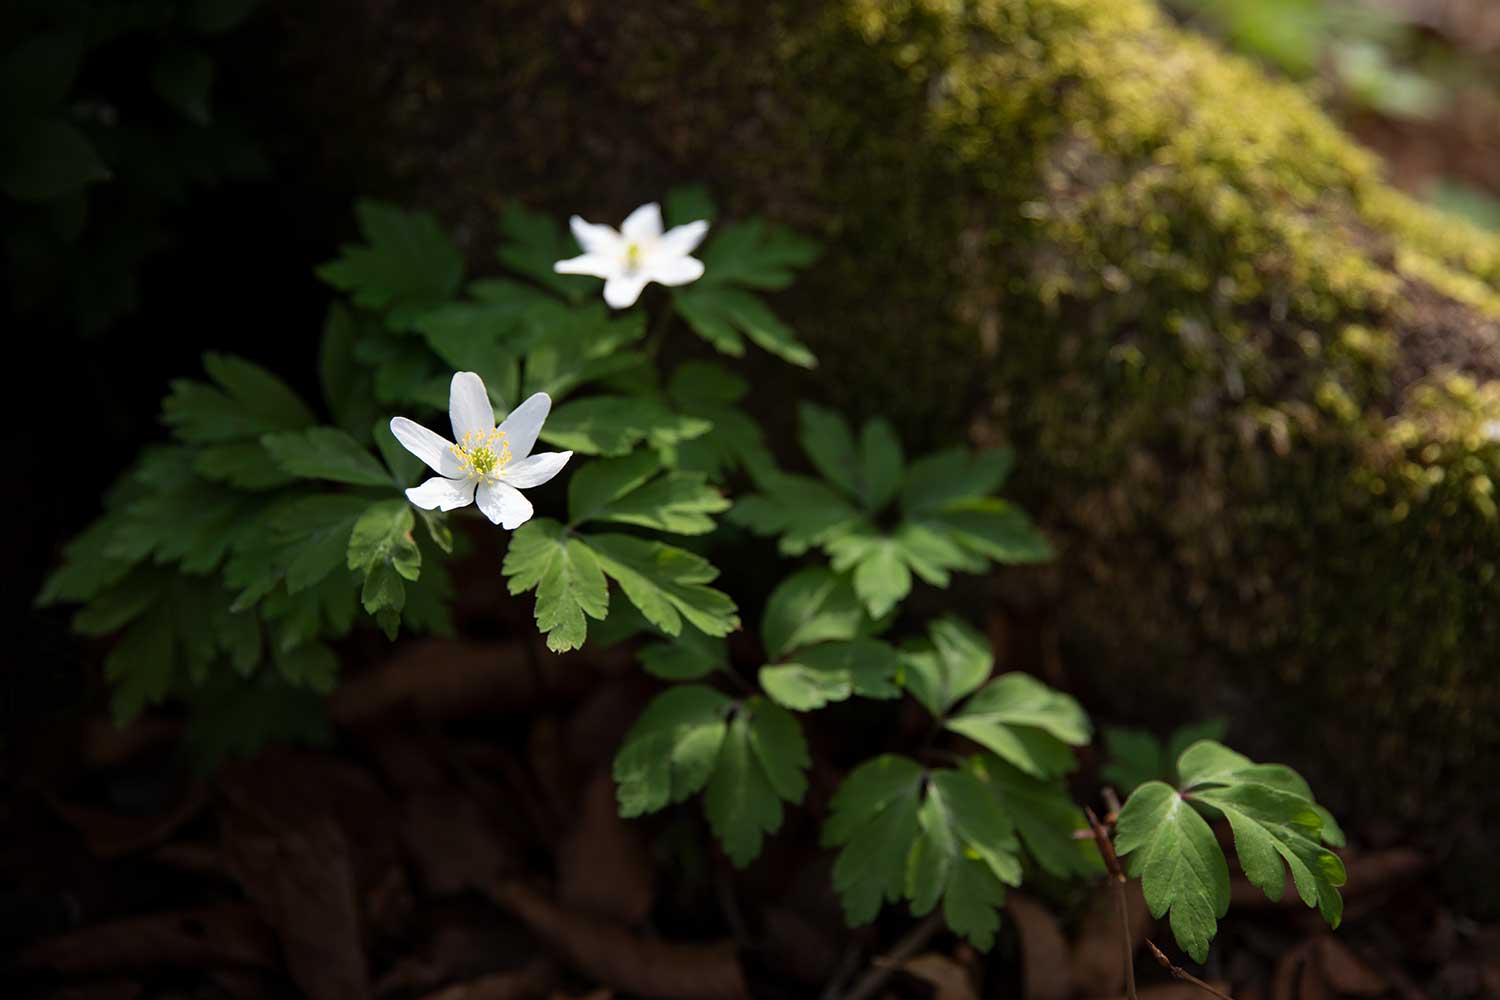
[668, 584]
[833, 671]
[953, 663]
[934, 481]
[671, 750]
[1025, 723]
[826, 438]
[965, 851]
[406, 265]
[613, 425]
[246, 465]
[873, 816]
[994, 528]
[347, 383]
[810, 606]
[755, 254]
[881, 464]
[1182, 870]
[244, 402]
[690, 656]
[721, 315]
[636, 490]
[312, 665]
[566, 576]
[803, 511]
[326, 453]
[381, 546]
[213, 17]
[761, 762]
[880, 575]
[533, 242]
[1045, 817]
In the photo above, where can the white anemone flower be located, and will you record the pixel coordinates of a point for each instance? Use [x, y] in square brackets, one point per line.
[636, 255]
[488, 463]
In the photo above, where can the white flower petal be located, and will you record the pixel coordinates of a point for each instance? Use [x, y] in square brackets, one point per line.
[431, 447]
[622, 291]
[676, 270]
[504, 505]
[679, 241]
[469, 406]
[595, 264]
[595, 239]
[442, 494]
[524, 424]
[642, 225]
[536, 469]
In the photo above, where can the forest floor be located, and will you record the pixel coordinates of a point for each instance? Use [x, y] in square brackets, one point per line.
[458, 840]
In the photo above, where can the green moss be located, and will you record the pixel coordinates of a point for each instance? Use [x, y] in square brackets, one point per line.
[1219, 340]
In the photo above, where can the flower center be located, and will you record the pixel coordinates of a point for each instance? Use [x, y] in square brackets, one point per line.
[633, 254]
[482, 454]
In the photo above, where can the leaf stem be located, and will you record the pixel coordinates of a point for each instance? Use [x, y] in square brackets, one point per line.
[1183, 974]
[1117, 883]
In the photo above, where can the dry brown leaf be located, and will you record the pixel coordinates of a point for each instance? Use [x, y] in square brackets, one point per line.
[1098, 952]
[602, 865]
[1181, 991]
[288, 827]
[610, 954]
[228, 934]
[1045, 966]
[949, 980]
[1346, 973]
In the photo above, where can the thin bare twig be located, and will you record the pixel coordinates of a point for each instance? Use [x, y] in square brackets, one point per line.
[1183, 974]
[883, 967]
[1117, 883]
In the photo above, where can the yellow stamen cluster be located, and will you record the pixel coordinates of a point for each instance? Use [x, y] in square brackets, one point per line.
[482, 454]
[633, 254]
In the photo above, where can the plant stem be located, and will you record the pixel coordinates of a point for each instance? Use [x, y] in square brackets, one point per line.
[1117, 881]
[885, 966]
[1183, 974]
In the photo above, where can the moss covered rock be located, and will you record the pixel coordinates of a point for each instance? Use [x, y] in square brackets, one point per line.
[1252, 385]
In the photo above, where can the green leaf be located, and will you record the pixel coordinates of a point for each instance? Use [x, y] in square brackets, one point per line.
[952, 664]
[833, 671]
[326, 453]
[927, 836]
[755, 254]
[996, 529]
[720, 315]
[668, 584]
[881, 464]
[244, 402]
[1181, 868]
[246, 465]
[1025, 723]
[761, 763]
[48, 159]
[299, 541]
[689, 657]
[37, 74]
[637, 490]
[1135, 757]
[689, 204]
[347, 385]
[711, 392]
[566, 576]
[750, 757]
[934, 481]
[533, 243]
[613, 425]
[826, 438]
[803, 511]
[312, 665]
[406, 265]
[381, 546]
[671, 750]
[810, 606]
[183, 77]
[880, 574]
[1044, 815]
[873, 816]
